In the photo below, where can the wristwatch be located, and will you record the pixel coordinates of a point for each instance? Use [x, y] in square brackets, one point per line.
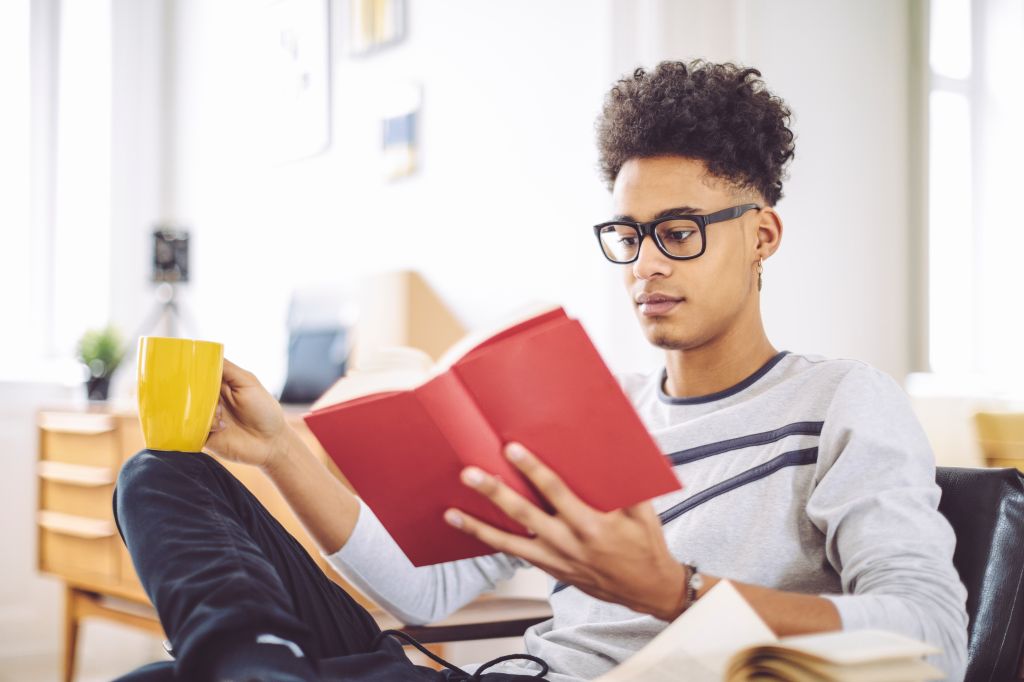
[694, 581]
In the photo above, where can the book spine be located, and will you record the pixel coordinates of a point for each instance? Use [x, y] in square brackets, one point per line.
[471, 435]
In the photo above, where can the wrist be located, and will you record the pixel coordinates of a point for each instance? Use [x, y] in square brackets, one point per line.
[672, 599]
[280, 450]
[685, 592]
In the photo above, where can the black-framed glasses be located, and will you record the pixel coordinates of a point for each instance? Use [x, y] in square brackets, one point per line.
[680, 237]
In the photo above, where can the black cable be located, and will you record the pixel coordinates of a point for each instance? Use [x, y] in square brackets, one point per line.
[463, 675]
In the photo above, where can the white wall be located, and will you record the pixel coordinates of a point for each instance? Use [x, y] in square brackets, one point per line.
[510, 94]
[839, 285]
[138, 154]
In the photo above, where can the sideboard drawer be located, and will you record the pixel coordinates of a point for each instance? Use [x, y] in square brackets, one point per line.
[73, 546]
[92, 502]
[85, 439]
[76, 489]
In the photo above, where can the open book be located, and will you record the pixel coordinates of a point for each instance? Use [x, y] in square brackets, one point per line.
[401, 429]
[722, 638]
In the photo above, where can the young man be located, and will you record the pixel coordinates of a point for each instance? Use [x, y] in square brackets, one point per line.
[809, 483]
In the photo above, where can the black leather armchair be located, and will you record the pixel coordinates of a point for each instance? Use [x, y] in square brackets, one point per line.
[986, 509]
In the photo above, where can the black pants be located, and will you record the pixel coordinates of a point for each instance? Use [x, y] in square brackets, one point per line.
[221, 570]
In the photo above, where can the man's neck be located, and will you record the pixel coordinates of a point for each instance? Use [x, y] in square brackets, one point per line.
[718, 365]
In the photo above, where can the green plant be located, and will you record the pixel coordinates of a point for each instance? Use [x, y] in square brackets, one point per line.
[101, 350]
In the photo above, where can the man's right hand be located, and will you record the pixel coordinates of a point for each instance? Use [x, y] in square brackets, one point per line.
[249, 426]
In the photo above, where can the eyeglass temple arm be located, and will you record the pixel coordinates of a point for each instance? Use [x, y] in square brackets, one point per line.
[729, 213]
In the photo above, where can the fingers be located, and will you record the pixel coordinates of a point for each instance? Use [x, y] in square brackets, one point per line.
[644, 512]
[218, 419]
[550, 485]
[525, 548]
[516, 506]
[236, 377]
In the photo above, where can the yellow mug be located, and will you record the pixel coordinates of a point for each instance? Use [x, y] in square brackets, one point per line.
[179, 387]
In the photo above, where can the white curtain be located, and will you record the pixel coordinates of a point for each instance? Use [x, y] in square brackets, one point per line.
[999, 190]
[15, 230]
[976, 185]
[81, 263]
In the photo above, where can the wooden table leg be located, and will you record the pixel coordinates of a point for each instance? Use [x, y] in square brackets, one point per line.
[70, 633]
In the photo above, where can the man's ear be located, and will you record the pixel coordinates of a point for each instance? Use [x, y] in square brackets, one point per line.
[769, 232]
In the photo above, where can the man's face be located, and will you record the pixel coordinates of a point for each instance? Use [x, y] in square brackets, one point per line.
[693, 302]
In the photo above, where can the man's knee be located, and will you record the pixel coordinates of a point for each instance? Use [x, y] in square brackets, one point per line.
[149, 466]
[140, 472]
[154, 465]
[156, 471]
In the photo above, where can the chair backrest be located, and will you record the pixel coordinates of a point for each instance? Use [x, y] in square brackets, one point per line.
[986, 509]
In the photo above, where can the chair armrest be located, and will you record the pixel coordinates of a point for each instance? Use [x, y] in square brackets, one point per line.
[485, 618]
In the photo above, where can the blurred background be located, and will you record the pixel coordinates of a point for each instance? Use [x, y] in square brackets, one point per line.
[239, 171]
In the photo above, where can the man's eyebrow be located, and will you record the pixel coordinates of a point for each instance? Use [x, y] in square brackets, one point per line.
[678, 210]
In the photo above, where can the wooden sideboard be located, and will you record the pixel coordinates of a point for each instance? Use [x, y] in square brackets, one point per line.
[80, 454]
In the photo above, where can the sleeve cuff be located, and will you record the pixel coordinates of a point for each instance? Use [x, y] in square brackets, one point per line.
[864, 611]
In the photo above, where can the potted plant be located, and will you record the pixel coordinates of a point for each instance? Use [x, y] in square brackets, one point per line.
[100, 350]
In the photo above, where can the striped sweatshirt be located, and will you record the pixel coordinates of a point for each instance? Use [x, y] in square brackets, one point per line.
[812, 475]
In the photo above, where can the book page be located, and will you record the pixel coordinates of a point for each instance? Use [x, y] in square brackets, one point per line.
[697, 645]
[401, 368]
[388, 369]
[903, 670]
[478, 337]
[858, 646]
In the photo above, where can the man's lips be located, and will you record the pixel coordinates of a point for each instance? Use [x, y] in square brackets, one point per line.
[657, 304]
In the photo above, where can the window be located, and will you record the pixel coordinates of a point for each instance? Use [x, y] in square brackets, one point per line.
[81, 220]
[55, 174]
[15, 197]
[976, 144]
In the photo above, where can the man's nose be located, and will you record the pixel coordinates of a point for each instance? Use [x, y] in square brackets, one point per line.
[650, 262]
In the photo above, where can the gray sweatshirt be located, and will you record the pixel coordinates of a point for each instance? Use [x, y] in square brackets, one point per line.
[811, 475]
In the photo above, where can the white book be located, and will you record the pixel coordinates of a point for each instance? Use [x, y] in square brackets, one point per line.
[722, 638]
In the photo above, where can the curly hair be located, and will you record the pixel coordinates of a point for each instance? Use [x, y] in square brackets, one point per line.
[721, 114]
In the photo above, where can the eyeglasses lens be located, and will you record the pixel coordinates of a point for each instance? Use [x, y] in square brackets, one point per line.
[678, 237]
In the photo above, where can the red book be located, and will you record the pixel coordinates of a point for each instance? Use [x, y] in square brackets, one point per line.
[540, 382]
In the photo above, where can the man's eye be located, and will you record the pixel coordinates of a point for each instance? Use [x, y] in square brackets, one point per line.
[627, 240]
[678, 235]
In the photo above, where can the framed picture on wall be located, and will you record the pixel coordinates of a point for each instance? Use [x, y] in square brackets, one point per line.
[298, 78]
[400, 110]
[374, 24]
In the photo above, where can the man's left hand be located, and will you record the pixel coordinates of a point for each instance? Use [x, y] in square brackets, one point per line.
[617, 556]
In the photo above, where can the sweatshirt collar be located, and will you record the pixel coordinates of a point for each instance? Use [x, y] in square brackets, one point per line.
[724, 393]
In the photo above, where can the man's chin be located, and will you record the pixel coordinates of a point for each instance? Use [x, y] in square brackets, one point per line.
[665, 335]
[666, 332]
[668, 342]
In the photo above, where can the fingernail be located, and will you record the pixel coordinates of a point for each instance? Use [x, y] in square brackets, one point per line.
[220, 424]
[453, 518]
[514, 451]
[473, 476]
